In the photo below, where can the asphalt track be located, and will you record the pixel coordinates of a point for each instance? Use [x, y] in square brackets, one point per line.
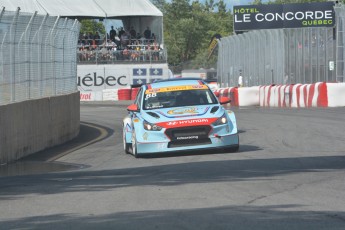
[288, 174]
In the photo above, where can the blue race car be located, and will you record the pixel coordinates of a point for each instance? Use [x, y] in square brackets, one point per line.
[178, 115]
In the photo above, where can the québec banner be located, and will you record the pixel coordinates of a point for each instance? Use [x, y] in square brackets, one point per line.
[274, 16]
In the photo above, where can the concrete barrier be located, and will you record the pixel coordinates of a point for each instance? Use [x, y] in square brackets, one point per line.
[243, 96]
[31, 126]
[320, 94]
[248, 96]
[336, 94]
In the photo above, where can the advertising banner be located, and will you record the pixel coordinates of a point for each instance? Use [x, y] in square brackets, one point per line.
[274, 16]
[98, 82]
[99, 77]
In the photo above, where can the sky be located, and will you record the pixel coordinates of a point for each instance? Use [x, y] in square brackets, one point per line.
[231, 3]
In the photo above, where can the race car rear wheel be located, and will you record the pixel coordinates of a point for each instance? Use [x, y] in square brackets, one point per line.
[126, 146]
[134, 146]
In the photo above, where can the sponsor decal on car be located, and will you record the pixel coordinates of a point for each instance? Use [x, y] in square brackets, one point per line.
[128, 128]
[190, 122]
[145, 136]
[188, 138]
[175, 88]
[183, 110]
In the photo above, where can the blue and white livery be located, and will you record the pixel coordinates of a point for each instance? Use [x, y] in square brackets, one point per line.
[178, 115]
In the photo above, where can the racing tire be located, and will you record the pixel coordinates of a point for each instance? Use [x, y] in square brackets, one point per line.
[126, 146]
[134, 146]
[235, 148]
[232, 149]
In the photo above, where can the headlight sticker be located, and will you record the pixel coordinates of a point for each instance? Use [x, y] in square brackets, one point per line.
[145, 136]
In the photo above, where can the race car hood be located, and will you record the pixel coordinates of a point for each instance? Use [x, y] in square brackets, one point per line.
[184, 116]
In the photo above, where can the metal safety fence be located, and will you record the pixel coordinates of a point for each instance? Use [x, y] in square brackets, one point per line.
[284, 56]
[37, 56]
[340, 43]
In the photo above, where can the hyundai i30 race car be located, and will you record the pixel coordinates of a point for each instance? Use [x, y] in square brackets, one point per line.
[178, 115]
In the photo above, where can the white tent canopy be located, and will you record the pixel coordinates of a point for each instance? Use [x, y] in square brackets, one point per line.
[84, 8]
[136, 13]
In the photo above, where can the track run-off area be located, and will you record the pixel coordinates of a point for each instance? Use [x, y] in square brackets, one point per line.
[288, 174]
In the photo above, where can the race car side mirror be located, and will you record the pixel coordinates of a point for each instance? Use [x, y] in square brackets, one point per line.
[224, 100]
[133, 108]
[217, 94]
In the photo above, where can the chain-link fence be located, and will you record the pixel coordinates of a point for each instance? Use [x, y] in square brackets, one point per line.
[284, 56]
[37, 56]
[340, 42]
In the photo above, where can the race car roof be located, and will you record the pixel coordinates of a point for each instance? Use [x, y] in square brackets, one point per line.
[173, 82]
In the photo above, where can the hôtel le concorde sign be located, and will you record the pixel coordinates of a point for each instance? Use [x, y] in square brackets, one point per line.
[274, 16]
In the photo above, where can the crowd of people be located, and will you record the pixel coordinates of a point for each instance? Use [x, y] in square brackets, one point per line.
[119, 45]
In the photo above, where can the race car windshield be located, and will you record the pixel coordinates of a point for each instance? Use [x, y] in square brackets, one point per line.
[178, 98]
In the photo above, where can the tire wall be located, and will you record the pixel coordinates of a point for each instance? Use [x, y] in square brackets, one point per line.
[30, 126]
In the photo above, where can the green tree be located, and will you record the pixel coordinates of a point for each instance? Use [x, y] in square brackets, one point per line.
[188, 29]
[160, 4]
[91, 25]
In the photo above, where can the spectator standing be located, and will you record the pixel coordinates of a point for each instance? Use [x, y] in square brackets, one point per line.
[90, 38]
[133, 33]
[97, 38]
[153, 37]
[147, 33]
[240, 80]
[121, 32]
[155, 51]
[125, 38]
[85, 40]
[112, 33]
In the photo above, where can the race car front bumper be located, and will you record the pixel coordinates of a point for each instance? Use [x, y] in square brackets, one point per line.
[214, 141]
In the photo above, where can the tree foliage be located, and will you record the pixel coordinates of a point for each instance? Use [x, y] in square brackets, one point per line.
[189, 27]
[91, 25]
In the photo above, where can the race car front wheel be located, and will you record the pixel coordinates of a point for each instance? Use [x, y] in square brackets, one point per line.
[126, 145]
[134, 145]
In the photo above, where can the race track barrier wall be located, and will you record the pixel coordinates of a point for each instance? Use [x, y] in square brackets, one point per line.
[244, 96]
[34, 125]
[320, 94]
